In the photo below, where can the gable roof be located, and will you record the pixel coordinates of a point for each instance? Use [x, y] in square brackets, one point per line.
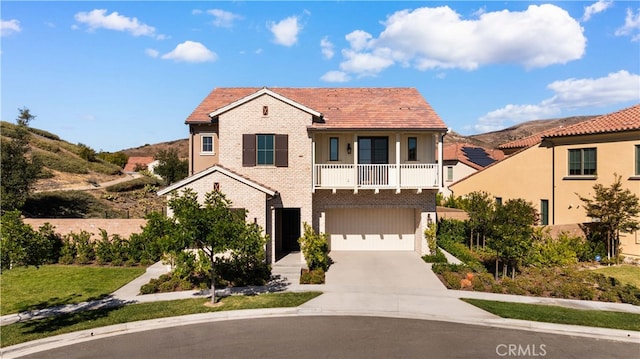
[627, 119]
[529, 140]
[473, 156]
[335, 108]
[133, 162]
[224, 171]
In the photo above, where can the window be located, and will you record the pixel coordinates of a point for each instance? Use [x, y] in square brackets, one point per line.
[544, 212]
[498, 201]
[449, 173]
[206, 141]
[637, 160]
[582, 162]
[373, 150]
[334, 146]
[412, 144]
[265, 150]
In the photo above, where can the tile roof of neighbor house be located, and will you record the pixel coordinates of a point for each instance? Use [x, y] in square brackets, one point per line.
[133, 162]
[473, 156]
[627, 119]
[341, 108]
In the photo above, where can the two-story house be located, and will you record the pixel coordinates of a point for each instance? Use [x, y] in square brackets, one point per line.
[360, 164]
[554, 168]
[461, 160]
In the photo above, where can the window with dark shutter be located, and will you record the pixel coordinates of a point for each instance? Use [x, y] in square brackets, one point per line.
[282, 150]
[248, 150]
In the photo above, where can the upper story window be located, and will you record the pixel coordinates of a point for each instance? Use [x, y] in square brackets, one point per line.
[265, 150]
[637, 160]
[582, 161]
[206, 143]
[544, 212]
[334, 148]
[412, 147]
[449, 173]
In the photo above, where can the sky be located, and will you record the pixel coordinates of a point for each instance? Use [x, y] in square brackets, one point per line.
[116, 75]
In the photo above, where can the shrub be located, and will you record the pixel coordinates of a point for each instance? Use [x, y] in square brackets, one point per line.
[453, 230]
[315, 276]
[452, 280]
[315, 248]
[44, 133]
[68, 251]
[85, 250]
[430, 236]
[242, 271]
[461, 252]
[435, 258]
[482, 282]
[134, 184]
[60, 162]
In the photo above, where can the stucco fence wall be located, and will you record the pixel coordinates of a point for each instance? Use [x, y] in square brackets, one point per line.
[63, 226]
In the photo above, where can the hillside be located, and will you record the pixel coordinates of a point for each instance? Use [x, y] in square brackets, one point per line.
[150, 150]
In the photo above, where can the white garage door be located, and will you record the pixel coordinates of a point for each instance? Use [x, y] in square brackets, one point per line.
[371, 229]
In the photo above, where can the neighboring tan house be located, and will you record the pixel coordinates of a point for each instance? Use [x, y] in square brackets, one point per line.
[550, 170]
[461, 160]
[136, 163]
[360, 164]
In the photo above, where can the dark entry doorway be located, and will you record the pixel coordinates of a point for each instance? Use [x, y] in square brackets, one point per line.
[287, 230]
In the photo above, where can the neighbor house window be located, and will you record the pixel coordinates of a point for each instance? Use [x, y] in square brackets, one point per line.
[412, 145]
[637, 160]
[206, 141]
[544, 212]
[498, 201]
[582, 161]
[449, 173]
[265, 150]
[334, 146]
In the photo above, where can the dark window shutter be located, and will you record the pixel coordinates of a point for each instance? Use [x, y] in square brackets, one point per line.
[282, 150]
[248, 150]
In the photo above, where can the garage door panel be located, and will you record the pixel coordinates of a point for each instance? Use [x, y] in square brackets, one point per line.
[371, 228]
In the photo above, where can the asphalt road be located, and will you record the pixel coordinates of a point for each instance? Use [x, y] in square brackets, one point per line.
[341, 337]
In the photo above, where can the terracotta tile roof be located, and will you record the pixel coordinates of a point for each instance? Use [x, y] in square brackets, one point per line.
[342, 108]
[529, 140]
[135, 161]
[627, 119]
[473, 156]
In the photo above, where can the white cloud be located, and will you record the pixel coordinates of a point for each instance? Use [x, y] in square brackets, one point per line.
[152, 53]
[335, 76]
[99, 19]
[326, 47]
[286, 31]
[223, 18]
[631, 25]
[196, 12]
[597, 7]
[440, 38]
[617, 87]
[9, 27]
[191, 51]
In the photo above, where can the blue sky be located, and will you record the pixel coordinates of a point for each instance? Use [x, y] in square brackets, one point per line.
[114, 75]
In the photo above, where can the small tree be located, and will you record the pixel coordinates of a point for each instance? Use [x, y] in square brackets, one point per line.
[213, 228]
[23, 246]
[615, 210]
[513, 233]
[315, 249]
[170, 167]
[480, 207]
[18, 170]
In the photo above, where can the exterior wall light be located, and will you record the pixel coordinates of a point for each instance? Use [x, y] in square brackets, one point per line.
[348, 148]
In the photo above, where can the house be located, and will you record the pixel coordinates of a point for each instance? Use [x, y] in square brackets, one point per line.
[552, 169]
[461, 160]
[137, 163]
[360, 164]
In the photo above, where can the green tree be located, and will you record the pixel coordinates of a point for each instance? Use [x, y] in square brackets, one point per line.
[213, 227]
[480, 207]
[117, 158]
[18, 171]
[615, 210]
[23, 246]
[170, 167]
[513, 233]
[87, 153]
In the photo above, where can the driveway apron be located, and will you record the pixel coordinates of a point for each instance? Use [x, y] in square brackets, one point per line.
[387, 283]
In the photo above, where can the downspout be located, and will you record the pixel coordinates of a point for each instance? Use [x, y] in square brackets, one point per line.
[553, 183]
[191, 158]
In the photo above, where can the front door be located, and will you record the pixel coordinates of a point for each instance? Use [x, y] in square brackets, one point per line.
[288, 229]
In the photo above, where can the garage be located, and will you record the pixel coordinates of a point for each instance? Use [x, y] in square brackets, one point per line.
[371, 229]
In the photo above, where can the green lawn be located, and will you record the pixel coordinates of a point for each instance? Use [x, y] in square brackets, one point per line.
[37, 329]
[626, 274]
[35, 288]
[560, 315]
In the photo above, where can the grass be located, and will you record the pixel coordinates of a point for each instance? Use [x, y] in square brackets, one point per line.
[626, 274]
[38, 329]
[51, 285]
[559, 315]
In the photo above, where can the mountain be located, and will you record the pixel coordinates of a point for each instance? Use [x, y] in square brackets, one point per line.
[147, 150]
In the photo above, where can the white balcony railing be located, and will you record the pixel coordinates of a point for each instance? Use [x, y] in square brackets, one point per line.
[424, 175]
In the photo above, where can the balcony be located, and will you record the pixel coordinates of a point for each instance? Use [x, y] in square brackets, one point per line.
[376, 176]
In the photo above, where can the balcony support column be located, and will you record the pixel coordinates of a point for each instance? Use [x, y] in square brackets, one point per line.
[355, 163]
[398, 179]
[314, 180]
[440, 164]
